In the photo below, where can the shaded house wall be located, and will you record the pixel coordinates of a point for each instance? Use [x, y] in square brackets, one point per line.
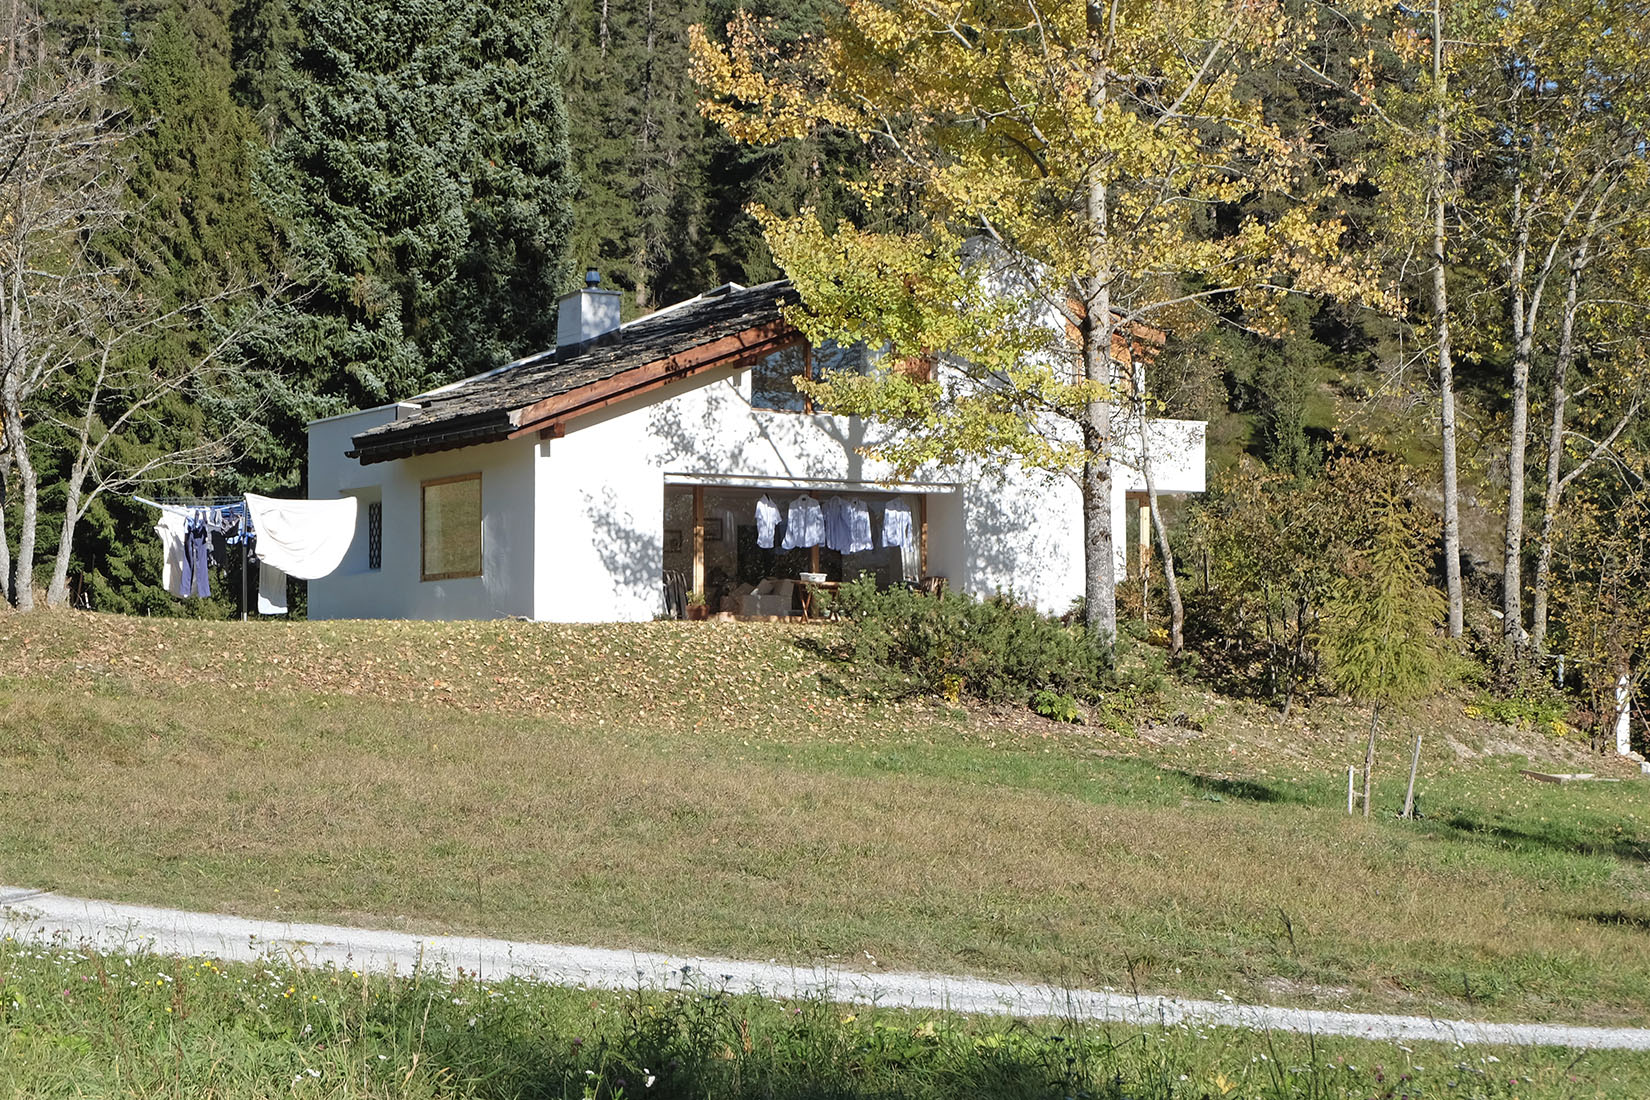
[601, 499]
[394, 591]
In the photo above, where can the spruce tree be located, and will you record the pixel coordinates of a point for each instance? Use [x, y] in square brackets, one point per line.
[421, 184]
[639, 147]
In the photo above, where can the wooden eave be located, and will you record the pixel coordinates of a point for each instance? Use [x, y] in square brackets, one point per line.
[550, 416]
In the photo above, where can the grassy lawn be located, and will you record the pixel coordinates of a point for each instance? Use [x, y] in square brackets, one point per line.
[74, 1024]
[705, 788]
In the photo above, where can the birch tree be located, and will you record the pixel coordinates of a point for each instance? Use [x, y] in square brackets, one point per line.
[57, 180]
[1567, 137]
[1088, 144]
[1423, 114]
[86, 394]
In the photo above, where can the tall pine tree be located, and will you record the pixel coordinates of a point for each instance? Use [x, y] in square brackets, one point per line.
[422, 185]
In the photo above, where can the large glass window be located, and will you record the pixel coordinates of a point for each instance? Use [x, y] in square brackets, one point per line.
[773, 384]
[831, 357]
[452, 527]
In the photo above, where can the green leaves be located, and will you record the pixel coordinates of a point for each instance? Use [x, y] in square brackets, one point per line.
[1380, 625]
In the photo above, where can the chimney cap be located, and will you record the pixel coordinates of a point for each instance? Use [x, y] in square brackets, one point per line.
[592, 278]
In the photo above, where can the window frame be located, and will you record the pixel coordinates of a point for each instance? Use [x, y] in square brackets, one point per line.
[424, 528]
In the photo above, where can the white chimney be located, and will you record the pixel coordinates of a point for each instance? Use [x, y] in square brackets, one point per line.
[588, 313]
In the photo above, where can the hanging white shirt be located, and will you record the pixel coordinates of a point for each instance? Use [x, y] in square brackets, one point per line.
[306, 539]
[804, 524]
[896, 524]
[857, 516]
[767, 518]
[836, 523]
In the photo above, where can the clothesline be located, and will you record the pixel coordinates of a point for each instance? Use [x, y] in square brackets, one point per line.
[842, 524]
[192, 502]
[306, 539]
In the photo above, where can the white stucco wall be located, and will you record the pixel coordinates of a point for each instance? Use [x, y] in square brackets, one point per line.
[508, 485]
[574, 526]
[602, 490]
[1177, 454]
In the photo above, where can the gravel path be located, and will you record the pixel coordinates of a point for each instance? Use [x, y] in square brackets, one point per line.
[38, 915]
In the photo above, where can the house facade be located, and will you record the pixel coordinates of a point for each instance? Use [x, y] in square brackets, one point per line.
[566, 486]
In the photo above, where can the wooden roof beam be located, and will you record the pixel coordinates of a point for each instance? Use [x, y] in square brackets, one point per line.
[737, 350]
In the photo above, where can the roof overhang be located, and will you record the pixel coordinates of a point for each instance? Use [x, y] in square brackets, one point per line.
[550, 416]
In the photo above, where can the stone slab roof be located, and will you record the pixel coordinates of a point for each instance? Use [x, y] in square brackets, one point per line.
[487, 408]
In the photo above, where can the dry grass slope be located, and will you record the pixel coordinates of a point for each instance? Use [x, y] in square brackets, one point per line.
[704, 787]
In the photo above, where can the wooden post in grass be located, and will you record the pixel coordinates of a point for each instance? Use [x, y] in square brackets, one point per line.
[1414, 766]
[1145, 535]
[1351, 775]
[1369, 752]
[922, 535]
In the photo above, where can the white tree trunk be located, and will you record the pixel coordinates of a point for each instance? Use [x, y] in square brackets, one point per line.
[57, 590]
[5, 546]
[28, 523]
[1099, 553]
[1555, 435]
[1624, 714]
[1512, 541]
[1446, 368]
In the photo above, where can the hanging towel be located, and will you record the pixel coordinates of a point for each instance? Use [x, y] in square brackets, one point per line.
[302, 538]
[896, 524]
[271, 590]
[804, 523]
[767, 518]
[173, 530]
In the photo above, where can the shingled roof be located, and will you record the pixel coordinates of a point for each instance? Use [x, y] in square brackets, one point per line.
[731, 324]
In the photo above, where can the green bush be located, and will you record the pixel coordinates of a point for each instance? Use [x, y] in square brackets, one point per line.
[1534, 708]
[1061, 708]
[903, 643]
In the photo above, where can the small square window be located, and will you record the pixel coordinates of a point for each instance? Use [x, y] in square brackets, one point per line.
[452, 528]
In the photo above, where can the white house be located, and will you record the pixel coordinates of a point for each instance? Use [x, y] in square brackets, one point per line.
[563, 486]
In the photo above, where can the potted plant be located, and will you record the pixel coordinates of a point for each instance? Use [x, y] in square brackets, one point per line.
[696, 609]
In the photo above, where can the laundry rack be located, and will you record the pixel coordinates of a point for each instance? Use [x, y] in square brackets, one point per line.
[222, 504]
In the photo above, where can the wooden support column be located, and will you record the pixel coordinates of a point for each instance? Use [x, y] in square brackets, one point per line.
[1145, 560]
[922, 535]
[699, 539]
[1145, 534]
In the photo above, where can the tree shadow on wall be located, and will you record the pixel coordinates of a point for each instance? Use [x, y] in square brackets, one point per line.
[632, 556]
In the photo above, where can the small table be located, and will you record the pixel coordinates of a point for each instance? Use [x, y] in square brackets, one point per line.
[809, 588]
